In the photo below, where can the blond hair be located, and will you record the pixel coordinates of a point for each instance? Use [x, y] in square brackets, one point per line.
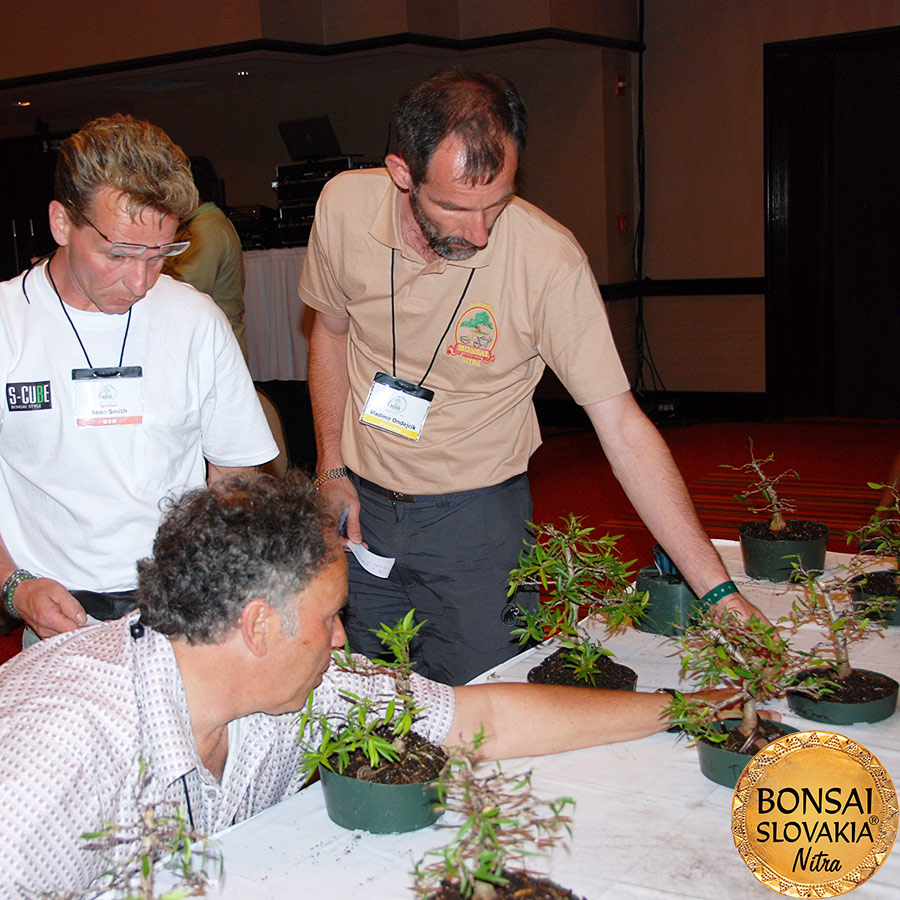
[131, 156]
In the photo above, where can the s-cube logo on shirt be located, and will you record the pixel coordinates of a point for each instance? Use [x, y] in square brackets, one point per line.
[28, 395]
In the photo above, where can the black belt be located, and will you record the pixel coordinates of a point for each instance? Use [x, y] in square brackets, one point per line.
[111, 605]
[394, 496]
[400, 497]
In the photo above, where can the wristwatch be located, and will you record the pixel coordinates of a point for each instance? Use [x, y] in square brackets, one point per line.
[328, 474]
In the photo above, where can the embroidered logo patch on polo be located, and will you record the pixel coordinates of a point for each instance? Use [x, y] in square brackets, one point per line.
[28, 395]
[476, 336]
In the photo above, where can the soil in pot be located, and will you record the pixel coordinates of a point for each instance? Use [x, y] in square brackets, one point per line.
[612, 675]
[520, 887]
[422, 761]
[723, 762]
[772, 556]
[863, 696]
[883, 583]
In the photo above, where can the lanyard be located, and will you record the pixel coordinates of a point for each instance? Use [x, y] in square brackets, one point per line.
[394, 323]
[77, 335]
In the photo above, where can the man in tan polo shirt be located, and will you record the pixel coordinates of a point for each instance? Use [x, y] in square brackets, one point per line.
[440, 296]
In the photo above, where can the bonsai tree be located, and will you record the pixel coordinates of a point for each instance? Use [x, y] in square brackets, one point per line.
[881, 535]
[502, 825]
[161, 831]
[578, 576]
[850, 695]
[749, 657]
[763, 487]
[769, 547]
[372, 739]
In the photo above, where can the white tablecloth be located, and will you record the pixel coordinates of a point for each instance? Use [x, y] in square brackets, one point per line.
[647, 823]
[273, 314]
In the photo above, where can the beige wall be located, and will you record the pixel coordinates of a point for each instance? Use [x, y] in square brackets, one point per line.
[73, 35]
[705, 183]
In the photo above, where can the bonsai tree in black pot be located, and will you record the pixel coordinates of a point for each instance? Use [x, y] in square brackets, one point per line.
[850, 695]
[756, 663]
[771, 548]
[377, 773]
[499, 825]
[579, 576]
[881, 535]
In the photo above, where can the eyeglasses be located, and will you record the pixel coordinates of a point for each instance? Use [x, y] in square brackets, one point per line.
[123, 250]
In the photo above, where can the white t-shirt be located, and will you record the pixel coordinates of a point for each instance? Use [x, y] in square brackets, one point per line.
[81, 505]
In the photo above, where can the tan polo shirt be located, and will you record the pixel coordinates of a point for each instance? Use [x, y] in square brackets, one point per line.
[532, 301]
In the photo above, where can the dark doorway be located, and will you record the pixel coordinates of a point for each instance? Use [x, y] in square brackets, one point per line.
[832, 144]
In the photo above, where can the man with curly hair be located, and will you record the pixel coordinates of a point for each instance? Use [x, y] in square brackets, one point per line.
[122, 386]
[240, 608]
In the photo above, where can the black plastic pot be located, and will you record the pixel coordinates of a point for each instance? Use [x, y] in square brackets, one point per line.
[837, 712]
[379, 808]
[775, 559]
[725, 766]
[670, 602]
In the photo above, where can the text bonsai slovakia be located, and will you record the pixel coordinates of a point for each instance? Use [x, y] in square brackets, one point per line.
[813, 817]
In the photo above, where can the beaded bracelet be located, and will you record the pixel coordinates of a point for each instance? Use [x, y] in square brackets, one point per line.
[9, 588]
[712, 597]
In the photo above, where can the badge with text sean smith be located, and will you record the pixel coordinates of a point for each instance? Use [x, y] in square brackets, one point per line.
[814, 814]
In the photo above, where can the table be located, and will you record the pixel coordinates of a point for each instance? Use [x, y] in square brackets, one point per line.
[276, 321]
[647, 823]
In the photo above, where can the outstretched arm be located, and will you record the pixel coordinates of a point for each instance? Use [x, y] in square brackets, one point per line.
[644, 467]
[536, 719]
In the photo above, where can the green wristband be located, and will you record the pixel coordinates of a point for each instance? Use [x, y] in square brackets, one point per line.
[712, 597]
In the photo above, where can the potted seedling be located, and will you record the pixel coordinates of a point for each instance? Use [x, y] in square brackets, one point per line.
[670, 601]
[377, 773]
[579, 576]
[160, 840]
[499, 825]
[770, 548]
[755, 663]
[881, 535]
[851, 695]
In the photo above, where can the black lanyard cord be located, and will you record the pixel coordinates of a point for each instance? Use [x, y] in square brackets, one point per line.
[441, 339]
[77, 335]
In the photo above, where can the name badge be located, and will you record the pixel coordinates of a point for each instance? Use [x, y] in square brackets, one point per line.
[397, 406]
[110, 396]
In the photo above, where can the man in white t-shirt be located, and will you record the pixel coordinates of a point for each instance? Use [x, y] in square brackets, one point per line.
[122, 388]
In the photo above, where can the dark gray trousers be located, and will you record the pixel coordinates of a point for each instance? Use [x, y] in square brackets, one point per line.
[454, 553]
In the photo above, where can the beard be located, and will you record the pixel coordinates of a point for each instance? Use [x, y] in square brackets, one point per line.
[455, 249]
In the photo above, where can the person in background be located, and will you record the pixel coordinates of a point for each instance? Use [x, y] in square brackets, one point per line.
[123, 387]
[240, 608]
[438, 292]
[214, 262]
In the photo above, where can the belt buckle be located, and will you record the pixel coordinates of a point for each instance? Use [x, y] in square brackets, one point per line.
[399, 497]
